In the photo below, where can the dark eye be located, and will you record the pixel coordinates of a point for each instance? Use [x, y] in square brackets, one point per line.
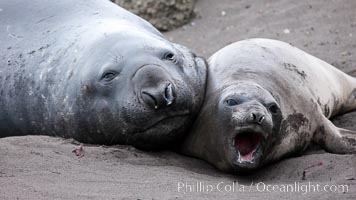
[170, 56]
[108, 76]
[273, 108]
[231, 102]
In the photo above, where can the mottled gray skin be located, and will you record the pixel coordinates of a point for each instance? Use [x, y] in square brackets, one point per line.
[92, 71]
[272, 91]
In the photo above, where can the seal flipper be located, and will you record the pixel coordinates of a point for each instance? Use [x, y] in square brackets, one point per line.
[334, 139]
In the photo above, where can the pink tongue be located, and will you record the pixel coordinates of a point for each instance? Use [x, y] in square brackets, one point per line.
[246, 143]
[247, 156]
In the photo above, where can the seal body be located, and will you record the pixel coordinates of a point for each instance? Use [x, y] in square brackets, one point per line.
[92, 71]
[266, 100]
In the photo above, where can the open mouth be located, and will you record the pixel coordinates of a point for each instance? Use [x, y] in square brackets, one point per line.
[246, 145]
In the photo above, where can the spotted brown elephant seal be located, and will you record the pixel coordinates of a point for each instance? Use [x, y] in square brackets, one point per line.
[267, 100]
[90, 70]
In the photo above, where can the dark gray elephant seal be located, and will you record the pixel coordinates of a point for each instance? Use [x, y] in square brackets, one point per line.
[266, 100]
[90, 70]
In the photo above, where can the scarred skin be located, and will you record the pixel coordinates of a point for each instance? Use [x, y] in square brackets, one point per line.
[267, 100]
[92, 71]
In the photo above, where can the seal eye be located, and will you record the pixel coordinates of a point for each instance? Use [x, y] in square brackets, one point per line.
[170, 56]
[231, 102]
[273, 108]
[108, 76]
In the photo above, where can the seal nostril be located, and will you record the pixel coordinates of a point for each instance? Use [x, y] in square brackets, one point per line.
[262, 118]
[150, 99]
[253, 116]
[169, 94]
[257, 118]
[160, 96]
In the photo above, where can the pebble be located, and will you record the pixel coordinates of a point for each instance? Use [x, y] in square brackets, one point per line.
[286, 31]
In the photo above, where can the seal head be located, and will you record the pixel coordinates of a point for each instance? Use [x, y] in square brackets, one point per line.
[249, 116]
[143, 90]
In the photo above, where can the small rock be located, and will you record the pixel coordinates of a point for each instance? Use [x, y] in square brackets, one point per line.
[79, 151]
[345, 53]
[223, 13]
[286, 31]
[303, 175]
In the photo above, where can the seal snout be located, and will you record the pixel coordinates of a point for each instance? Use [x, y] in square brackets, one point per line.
[256, 117]
[254, 114]
[161, 96]
[155, 86]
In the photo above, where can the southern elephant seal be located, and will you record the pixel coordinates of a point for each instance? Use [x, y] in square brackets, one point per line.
[266, 100]
[90, 70]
